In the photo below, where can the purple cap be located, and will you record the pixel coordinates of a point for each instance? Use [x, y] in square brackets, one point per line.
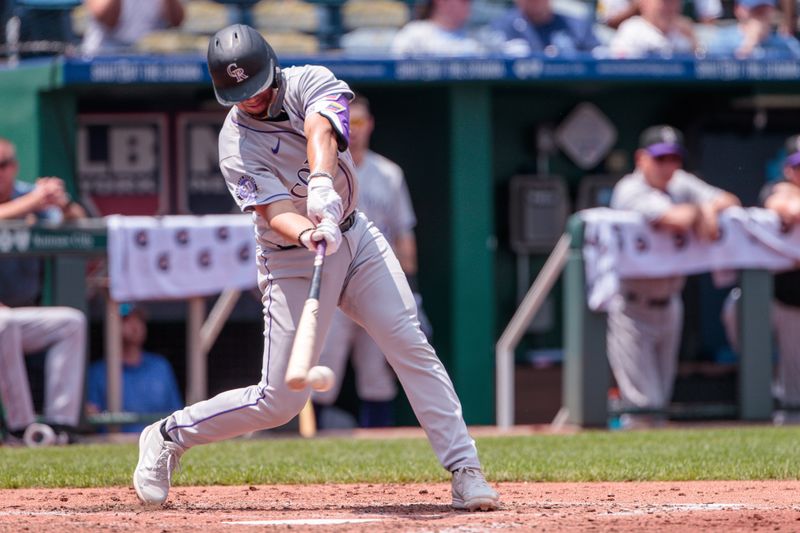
[792, 151]
[662, 140]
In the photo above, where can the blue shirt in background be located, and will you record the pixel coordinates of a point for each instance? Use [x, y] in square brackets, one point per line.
[20, 277]
[726, 40]
[148, 388]
[567, 34]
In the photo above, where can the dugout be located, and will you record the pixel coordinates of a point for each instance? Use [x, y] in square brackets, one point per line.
[461, 129]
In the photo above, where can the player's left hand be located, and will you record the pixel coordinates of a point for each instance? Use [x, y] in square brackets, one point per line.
[326, 230]
[323, 201]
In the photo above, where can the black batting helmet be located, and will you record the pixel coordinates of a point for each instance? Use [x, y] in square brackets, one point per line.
[241, 63]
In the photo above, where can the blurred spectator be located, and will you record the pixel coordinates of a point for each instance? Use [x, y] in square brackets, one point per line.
[754, 35]
[27, 329]
[148, 382]
[532, 27]
[660, 30]
[115, 25]
[645, 319]
[615, 12]
[442, 31]
[384, 198]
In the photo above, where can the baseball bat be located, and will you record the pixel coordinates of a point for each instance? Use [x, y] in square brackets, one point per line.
[306, 334]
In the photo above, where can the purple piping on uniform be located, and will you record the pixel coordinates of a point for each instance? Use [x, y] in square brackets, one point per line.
[266, 378]
[349, 180]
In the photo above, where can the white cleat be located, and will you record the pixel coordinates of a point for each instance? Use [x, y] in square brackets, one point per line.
[472, 492]
[157, 459]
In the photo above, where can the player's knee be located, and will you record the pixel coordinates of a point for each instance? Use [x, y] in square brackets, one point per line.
[286, 408]
[72, 320]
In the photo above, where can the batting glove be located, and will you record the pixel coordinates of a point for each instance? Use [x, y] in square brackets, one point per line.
[323, 201]
[326, 230]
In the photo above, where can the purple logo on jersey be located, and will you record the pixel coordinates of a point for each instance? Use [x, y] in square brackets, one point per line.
[277, 146]
[246, 189]
[237, 73]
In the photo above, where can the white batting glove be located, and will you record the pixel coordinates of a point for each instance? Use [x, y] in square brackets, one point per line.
[326, 230]
[323, 201]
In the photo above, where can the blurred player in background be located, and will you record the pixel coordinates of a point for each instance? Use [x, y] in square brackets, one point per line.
[27, 328]
[284, 155]
[645, 319]
[383, 197]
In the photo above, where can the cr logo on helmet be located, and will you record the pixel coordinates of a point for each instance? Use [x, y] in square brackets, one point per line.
[235, 72]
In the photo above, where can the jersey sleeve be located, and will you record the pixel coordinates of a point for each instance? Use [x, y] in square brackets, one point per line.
[697, 190]
[633, 196]
[330, 97]
[251, 186]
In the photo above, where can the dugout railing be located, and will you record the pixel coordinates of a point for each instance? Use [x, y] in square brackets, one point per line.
[586, 375]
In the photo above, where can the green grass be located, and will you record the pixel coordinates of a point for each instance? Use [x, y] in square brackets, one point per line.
[751, 453]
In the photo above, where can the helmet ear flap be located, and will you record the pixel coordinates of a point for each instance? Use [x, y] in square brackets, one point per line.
[276, 79]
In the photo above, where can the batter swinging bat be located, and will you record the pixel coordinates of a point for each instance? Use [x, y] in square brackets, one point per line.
[303, 347]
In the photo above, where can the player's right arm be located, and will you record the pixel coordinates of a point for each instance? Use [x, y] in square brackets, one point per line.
[284, 219]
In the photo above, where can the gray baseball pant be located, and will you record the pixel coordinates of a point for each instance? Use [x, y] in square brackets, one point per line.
[365, 279]
[62, 332]
[643, 344]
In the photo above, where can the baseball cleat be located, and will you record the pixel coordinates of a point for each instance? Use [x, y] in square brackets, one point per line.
[157, 459]
[472, 492]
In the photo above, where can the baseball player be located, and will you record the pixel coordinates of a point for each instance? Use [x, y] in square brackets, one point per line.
[25, 327]
[645, 319]
[383, 197]
[783, 197]
[284, 154]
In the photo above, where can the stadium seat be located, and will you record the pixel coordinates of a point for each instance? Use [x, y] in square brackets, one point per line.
[293, 43]
[286, 15]
[204, 17]
[172, 42]
[80, 19]
[368, 41]
[374, 13]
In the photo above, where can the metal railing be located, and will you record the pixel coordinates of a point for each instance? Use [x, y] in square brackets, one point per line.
[531, 303]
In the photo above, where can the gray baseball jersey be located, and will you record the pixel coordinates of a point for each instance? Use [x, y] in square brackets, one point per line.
[645, 319]
[383, 196]
[263, 162]
[384, 199]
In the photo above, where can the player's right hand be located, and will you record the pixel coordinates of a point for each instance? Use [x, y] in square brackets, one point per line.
[323, 201]
[326, 230]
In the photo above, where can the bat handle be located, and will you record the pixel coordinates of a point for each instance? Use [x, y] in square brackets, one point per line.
[321, 247]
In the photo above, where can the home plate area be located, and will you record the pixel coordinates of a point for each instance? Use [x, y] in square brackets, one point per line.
[626, 506]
